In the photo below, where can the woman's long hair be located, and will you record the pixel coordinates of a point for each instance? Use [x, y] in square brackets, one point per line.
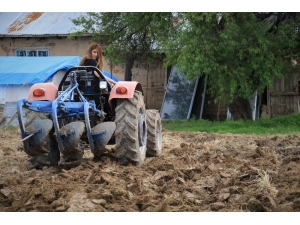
[89, 55]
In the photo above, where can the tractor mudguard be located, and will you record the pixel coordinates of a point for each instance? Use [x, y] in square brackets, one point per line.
[50, 91]
[131, 86]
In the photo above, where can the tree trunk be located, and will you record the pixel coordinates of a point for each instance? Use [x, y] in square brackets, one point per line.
[128, 67]
[240, 109]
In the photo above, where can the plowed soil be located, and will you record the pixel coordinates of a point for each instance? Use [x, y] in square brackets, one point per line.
[200, 172]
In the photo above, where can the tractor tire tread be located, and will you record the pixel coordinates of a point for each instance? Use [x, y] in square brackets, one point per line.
[126, 134]
[154, 133]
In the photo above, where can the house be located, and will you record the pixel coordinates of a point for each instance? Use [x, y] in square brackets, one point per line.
[39, 34]
[42, 34]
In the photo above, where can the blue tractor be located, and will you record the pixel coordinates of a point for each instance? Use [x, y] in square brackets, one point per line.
[85, 112]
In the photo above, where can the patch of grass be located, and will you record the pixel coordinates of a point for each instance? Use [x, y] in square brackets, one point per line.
[10, 127]
[278, 125]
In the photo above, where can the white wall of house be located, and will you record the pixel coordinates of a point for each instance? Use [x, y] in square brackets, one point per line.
[12, 93]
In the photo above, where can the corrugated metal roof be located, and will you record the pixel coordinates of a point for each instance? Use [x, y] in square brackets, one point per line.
[37, 23]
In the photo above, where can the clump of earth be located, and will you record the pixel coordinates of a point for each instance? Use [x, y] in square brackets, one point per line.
[200, 172]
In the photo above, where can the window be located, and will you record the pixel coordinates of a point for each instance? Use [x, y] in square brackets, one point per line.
[32, 53]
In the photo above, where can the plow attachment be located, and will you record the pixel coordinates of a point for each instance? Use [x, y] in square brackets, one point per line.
[67, 125]
[68, 138]
[36, 135]
[100, 135]
[70, 135]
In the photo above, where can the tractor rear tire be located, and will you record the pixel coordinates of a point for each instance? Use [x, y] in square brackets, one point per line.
[131, 130]
[154, 133]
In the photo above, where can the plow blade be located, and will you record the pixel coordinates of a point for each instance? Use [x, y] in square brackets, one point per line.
[101, 134]
[70, 135]
[39, 132]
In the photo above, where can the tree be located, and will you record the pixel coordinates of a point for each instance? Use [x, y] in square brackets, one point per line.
[128, 36]
[239, 52]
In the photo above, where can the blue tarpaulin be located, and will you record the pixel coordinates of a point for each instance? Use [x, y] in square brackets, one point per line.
[107, 74]
[30, 70]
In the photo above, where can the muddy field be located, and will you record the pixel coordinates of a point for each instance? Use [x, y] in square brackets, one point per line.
[197, 172]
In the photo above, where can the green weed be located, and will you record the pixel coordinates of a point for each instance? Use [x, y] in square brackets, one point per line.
[278, 125]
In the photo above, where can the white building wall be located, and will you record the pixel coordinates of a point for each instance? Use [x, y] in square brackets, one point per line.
[12, 93]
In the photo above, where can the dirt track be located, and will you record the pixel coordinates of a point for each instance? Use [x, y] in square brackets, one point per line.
[197, 172]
